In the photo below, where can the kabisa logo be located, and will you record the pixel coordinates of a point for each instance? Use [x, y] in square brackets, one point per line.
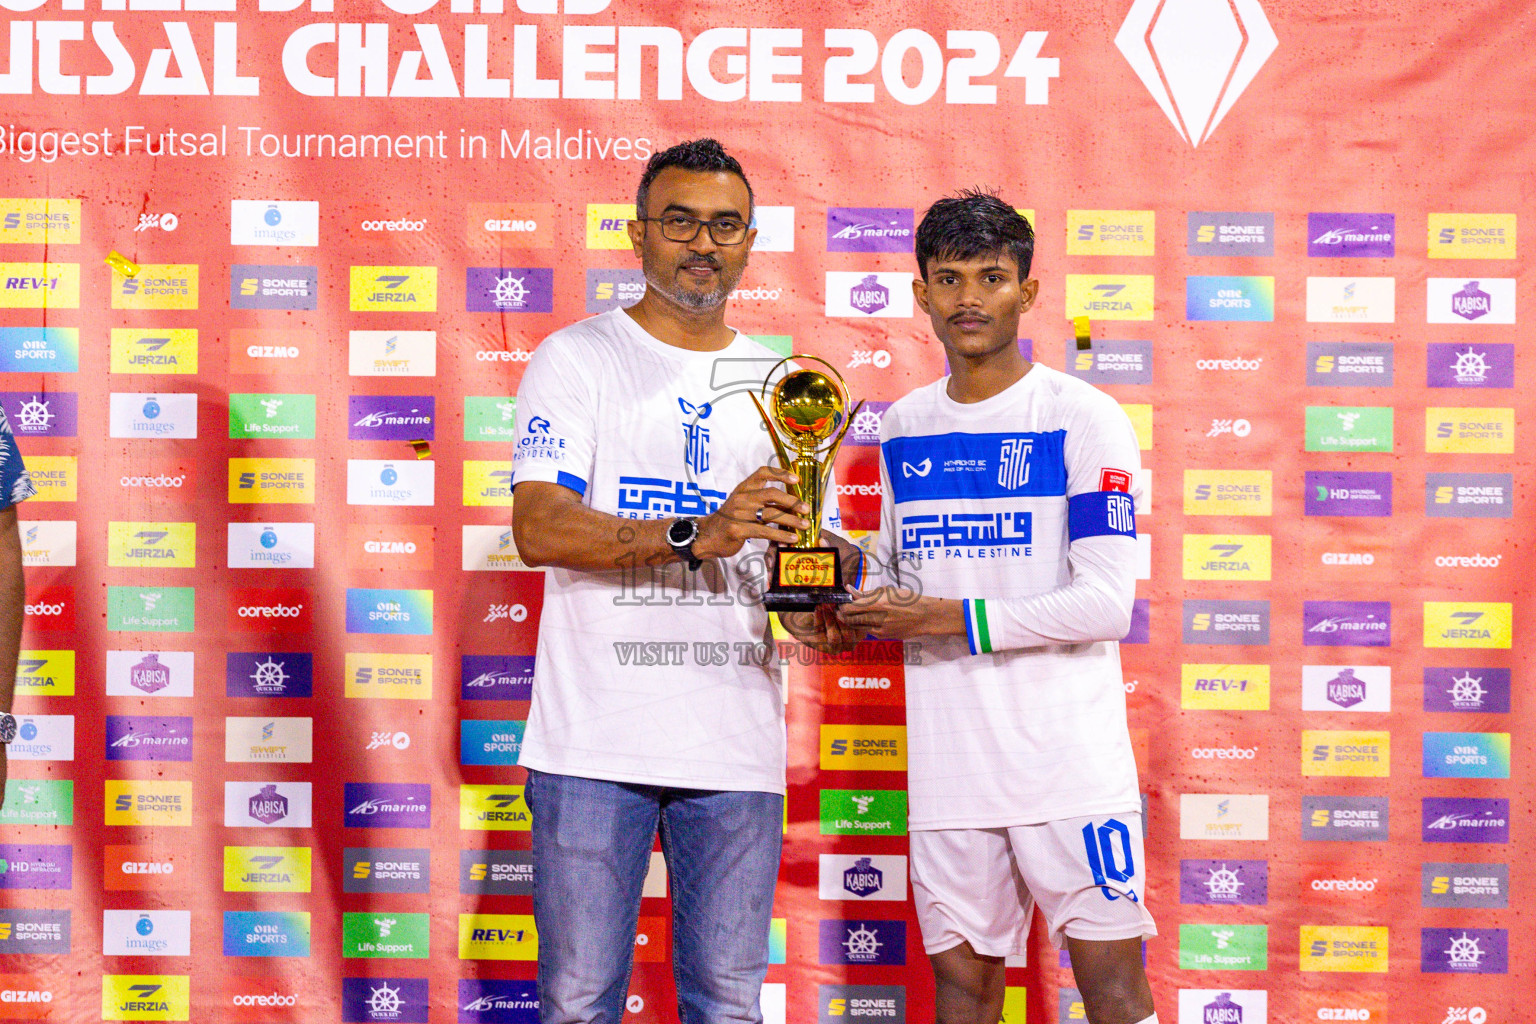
[869, 295]
[879, 878]
[1471, 302]
[268, 806]
[1196, 59]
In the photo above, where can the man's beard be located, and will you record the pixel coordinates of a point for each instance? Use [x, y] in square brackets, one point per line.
[699, 302]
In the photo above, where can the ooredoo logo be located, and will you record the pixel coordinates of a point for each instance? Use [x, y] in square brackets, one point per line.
[280, 610]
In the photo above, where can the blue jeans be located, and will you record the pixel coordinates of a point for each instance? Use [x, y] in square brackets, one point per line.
[591, 846]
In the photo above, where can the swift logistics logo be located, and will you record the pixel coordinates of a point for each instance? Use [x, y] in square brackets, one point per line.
[1468, 430]
[271, 481]
[1224, 687]
[386, 869]
[1476, 690]
[1228, 492]
[393, 289]
[1109, 233]
[49, 542]
[156, 286]
[27, 349]
[864, 748]
[152, 545]
[1486, 624]
[1331, 752]
[1210, 556]
[1230, 299]
[498, 937]
[40, 221]
[1472, 236]
[1351, 300]
[1196, 59]
[1345, 948]
[267, 869]
[1466, 755]
[266, 932]
[268, 740]
[1226, 882]
[258, 286]
[1224, 816]
[1110, 296]
[404, 612]
[397, 676]
[153, 350]
[485, 808]
[392, 353]
[148, 802]
[1243, 623]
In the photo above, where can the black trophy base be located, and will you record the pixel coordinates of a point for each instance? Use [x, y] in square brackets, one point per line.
[799, 579]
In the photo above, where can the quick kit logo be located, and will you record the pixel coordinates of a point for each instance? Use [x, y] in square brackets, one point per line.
[839, 1004]
[1472, 236]
[35, 867]
[159, 416]
[1196, 59]
[29, 349]
[1465, 820]
[268, 804]
[1206, 687]
[1351, 300]
[495, 1001]
[1223, 947]
[869, 229]
[146, 932]
[1458, 300]
[498, 937]
[1349, 364]
[40, 221]
[384, 1000]
[1463, 429]
[391, 482]
[1352, 234]
[613, 289]
[1346, 688]
[386, 869]
[1488, 624]
[509, 290]
[404, 612]
[1235, 816]
[864, 748]
[270, 611]
[1348, 494]
[1327, 752]
[396, 676]
[271, 482]
[1110, 362]
[293, 222]
[1481, 886]
[1110, 297]
[156, 286]
[392, 353]
[1232, 299]
[1466, 755]
[266, 739]
[272, 416]
[266, 933]
[151, 609]
[38, 802]
[1469, 495]
[1226, 556]
[1477, 690]
[1228, 492]
[1230, 234]
[267, 869]
[1242, 623]
[154, 350]
[144, 738]
[510, 225]
[1224, 882]
[1471, 366]
[387, 805]
[146, 997]
[1463, 951]
[44, 286]
[862, 942]
[1346, 948]
[148, 802]
[866, 295]
[862, 879]
[1346, 623]
[493, 809]
[392, 289]
[855, 812]
[496, 677]
[502, 873]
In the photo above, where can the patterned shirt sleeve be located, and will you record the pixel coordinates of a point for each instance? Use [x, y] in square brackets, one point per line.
[15, 483]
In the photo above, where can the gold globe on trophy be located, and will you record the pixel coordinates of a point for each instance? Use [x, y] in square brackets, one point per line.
[809, 417]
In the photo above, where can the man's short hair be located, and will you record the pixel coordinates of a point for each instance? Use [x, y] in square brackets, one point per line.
[699, 155]
[974, 223]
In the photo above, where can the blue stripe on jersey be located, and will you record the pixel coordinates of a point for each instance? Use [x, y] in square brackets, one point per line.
[1098, 513]
[958, 466]
[572, 481]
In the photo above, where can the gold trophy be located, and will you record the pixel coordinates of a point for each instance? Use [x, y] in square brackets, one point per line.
[811, 417]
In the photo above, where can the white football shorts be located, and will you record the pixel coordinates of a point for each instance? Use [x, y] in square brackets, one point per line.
[981, 885]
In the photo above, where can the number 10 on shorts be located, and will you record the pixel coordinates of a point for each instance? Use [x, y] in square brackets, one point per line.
[1100, 846]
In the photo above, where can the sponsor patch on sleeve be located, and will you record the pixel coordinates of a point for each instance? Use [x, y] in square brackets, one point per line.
[1115, 480]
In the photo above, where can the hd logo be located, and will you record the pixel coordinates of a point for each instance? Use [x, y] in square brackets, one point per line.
[154, 350]
[152, 545]
[1325, 752]
[498, 937]
[156, 286]
[1210, 556]
[1110, 297]
[1351, 948]
[146, 997]
[493, 809]
[1468, 624]
[377, 289]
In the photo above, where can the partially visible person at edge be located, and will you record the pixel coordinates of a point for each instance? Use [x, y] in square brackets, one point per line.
[642, 481]
[15, 487]
[1022, 783]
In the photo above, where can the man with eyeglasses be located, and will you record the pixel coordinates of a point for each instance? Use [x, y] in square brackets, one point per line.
[642, 481]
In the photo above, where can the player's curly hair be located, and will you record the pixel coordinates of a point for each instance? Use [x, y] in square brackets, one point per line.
[697, 155]
[973, 223]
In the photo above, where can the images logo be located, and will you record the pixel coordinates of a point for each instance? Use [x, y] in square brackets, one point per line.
[156, 416]
[1467, 689]
[1244, 623]
[269, 545]
[380, 482]
[1466, 755]
[858, 294]
[1194, 62]
[387, 805]
[1229, 298]
[1463, 951]
[1472, 236]
[1465, 820]
[1351, 234]
[862, 942]
[864, 747]
[1225, 687]
[1468, 624]
[272, 481]
[380, 289]
[43, 286]
[154, 350]
[1226, 556]
[274, 222]
[156, 286]
[1110, 297]
[1223, 947]
[1325, 752]
[1351, 948]
[1224, 882]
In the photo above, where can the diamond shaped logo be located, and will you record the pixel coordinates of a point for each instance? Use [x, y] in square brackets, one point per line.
[1196, 56]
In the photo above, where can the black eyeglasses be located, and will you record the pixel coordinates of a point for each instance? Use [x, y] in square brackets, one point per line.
[679, 227]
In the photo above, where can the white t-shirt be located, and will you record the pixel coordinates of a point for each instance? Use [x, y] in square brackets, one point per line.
[1023, 721]
[636, 679]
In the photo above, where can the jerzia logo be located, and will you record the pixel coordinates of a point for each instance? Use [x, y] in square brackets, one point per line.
[1195, 58]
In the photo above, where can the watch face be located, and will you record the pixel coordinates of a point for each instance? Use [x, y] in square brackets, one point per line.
[7, 727]
[682, 531]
